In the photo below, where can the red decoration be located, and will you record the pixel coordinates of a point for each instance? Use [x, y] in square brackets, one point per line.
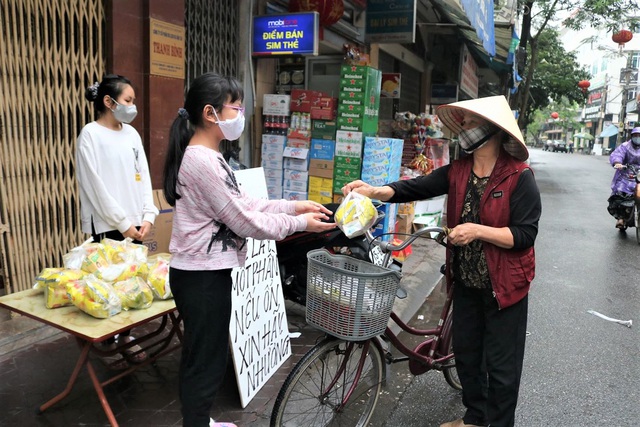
[555, 115]
[584, 85]
[621, 37]
[330, 10]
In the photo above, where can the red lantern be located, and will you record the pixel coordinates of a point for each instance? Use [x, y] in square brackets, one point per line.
[555, 115]
[330, 11]
[621, 37]
[584, 85]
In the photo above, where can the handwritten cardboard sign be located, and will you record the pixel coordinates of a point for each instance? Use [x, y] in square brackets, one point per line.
[259, 331]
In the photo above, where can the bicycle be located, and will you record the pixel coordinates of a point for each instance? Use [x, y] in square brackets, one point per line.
[339, 380]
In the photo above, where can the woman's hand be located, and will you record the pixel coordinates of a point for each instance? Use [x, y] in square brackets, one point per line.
[308, 206]
[463, 234]
[618, 166]
[132, 233]
[315, 224]
[145, 228]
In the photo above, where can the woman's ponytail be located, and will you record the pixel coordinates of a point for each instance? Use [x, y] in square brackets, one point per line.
[179, 137]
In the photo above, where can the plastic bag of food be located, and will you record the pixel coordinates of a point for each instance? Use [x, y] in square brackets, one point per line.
[158, 277]
[117, 272]
[41, 278]
[355, 215]
[55, 287]
[134, 293]
[94, 296]
[125, 251]
[73, 259]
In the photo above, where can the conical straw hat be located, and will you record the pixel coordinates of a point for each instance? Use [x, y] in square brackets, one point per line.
[492, 108]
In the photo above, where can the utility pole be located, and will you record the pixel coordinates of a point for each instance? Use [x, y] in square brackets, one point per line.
[626, 71]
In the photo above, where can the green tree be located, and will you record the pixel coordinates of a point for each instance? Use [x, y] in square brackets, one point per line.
[539, 15]
[556, 76]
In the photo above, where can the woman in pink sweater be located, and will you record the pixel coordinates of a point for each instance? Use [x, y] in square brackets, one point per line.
[212, 219]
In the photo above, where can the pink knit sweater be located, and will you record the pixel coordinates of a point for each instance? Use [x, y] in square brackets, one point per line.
[213, 217]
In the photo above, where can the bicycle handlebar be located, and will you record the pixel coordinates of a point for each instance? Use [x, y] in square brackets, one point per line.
[388, 247]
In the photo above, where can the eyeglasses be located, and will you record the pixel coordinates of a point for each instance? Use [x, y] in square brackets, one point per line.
[235, 107]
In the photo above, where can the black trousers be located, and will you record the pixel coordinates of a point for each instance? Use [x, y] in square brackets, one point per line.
[489, 347]
[203, 299]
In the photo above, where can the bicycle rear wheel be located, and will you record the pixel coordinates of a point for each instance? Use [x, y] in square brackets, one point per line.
[450, 373]
[314, 392]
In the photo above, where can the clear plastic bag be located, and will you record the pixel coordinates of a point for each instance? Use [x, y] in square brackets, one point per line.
[355, 215]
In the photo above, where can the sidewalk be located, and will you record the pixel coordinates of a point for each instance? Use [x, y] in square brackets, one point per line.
[36, 361]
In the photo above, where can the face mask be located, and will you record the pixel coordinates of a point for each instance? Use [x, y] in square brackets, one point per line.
[231, 128]
[635, 140]
[472, 139]
[124, 113]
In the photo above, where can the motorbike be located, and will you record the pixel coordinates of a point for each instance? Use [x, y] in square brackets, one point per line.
[292, 255]
[628, 203]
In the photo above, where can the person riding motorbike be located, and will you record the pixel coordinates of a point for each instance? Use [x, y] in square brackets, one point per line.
[623, 185]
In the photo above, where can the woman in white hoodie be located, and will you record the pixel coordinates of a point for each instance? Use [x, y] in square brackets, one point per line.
[116, 200]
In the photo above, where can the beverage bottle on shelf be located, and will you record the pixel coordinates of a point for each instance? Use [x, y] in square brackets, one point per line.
[267, 124]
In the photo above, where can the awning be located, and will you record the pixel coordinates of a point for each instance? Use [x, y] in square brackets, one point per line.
[503, 34]
[610, 130]
[583, 136]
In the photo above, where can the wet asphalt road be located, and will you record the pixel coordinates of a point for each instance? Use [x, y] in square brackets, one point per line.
[580, 370]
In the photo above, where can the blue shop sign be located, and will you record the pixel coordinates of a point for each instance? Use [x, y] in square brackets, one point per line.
[288, 34]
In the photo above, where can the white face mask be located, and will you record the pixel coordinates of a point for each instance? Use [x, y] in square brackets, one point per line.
[231, 128]
[124, 113]
[635, 140]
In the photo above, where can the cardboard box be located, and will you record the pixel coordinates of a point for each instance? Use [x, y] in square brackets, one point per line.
[323, 129]
[322, 113]
[158, 239]
[322, 149]
[404, 226]
[321, 168]
[276, 104]
[303, 100]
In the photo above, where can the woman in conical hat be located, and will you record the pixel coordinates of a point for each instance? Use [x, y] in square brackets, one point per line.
[493, 209]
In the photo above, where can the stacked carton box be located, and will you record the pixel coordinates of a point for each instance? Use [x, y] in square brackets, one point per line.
[321, 162]
[272, 163]
[348, 159]
[296, 175]
[359, 99]
[381, 160]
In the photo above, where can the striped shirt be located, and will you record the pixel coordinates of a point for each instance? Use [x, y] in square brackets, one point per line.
[214, 216]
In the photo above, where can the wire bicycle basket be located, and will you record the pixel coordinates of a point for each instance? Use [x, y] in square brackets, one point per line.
[347, 297]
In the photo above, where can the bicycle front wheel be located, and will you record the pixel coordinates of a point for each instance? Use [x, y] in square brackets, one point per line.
[316, 391]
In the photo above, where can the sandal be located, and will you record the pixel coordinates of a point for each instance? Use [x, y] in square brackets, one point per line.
[133, 354]
[114, 362]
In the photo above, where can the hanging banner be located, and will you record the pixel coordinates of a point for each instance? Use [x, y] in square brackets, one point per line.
[390, 21]
[480, 15]
[258, 331]
[288, 34]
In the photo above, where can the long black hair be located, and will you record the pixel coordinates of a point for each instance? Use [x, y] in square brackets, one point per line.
[111, 85]
[208, 89]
